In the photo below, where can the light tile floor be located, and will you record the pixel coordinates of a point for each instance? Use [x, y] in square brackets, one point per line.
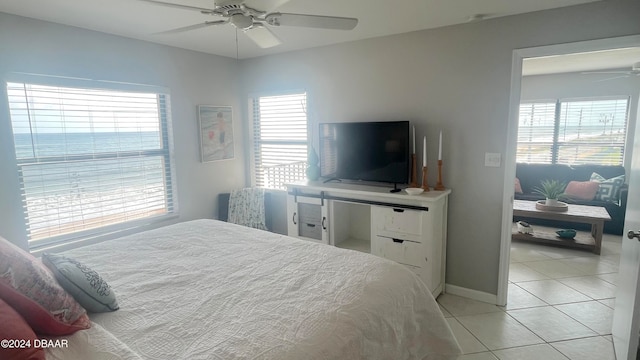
[560, 306]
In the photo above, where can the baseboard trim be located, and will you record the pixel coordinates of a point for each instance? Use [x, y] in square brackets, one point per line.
[471, 294]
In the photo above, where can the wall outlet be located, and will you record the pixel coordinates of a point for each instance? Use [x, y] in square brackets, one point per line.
[492, 159]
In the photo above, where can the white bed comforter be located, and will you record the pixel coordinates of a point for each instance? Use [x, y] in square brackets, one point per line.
[206, 289]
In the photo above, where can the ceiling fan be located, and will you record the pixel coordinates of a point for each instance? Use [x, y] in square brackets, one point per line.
[635, 71]
[254, 22]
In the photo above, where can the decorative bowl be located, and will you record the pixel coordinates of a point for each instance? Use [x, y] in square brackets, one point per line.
[524, 228]
[414, 191]
[566, 233]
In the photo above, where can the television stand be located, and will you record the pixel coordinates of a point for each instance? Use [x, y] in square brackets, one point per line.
[408, 229]
[395, 189]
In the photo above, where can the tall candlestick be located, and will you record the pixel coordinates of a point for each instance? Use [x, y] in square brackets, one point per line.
[424, 152]
[440, 147]
[439, 186]
[414, 140]
[414, 172]
[425, 186]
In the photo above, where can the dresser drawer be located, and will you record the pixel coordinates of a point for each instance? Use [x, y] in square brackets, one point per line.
[401, 251]
[398, 223]
[310, 213]
[310, 230]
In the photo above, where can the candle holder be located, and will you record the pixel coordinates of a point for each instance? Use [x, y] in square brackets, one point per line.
[425, 186]
[414, 175]
[439, 185]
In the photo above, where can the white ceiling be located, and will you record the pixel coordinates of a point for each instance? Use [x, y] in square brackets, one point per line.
[622, 59]
[142, 20]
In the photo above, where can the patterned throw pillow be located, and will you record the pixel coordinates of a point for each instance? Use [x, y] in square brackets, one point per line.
[83, 283]
[609, 188]
[32, 291]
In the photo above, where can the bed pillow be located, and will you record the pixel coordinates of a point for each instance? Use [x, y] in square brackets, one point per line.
[609, 188]
[581, 190]
[518, 187]
[83, 283]
[31, 290]
[17, 330]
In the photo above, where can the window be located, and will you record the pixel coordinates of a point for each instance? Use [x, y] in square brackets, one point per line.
[591, 131]
[90, 161]
[279, 139]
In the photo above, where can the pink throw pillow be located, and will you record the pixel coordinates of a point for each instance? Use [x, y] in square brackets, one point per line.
[15, 328]
[582, 190]
[518, 188]
[33, 292]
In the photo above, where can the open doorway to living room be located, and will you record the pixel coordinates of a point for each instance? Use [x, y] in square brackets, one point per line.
[575, 115]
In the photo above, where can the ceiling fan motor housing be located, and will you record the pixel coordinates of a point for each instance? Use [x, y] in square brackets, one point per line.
[228, 3]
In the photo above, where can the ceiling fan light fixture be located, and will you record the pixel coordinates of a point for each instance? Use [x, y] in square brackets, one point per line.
[241, 21]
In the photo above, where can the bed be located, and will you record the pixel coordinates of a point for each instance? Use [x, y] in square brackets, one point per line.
[207, 289]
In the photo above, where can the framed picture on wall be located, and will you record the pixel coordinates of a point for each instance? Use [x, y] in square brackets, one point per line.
[216, 132]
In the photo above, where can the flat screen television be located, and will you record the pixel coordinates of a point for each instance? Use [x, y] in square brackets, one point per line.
[365, 151]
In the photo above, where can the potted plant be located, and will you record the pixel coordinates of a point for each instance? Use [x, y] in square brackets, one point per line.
[552, 190]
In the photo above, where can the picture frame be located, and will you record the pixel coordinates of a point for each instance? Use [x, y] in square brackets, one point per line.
[216, 132]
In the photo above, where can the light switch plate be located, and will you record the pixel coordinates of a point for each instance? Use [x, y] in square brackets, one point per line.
[492, 159]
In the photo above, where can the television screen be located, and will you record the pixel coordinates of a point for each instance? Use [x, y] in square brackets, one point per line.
[365, 151]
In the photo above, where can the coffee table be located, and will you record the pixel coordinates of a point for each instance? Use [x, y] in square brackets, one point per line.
[594, 215]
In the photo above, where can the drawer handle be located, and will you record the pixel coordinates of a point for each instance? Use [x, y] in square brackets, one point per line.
[398, 210]
[398, 241]
[293, 218]
[311, 225]
[324, 225]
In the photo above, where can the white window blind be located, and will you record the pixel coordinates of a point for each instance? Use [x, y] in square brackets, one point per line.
[590, 131]
[89, 160]
[279, 139]
[536, 128]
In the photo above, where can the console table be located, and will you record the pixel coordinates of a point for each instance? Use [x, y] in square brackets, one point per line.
[594, 215]
[408, 229]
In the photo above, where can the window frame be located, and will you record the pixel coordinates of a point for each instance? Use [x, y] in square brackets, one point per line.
[252, 130]
[166, 139]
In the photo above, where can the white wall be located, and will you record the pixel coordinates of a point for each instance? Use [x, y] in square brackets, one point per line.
[577, 85]
[454, 79]
[193, 78]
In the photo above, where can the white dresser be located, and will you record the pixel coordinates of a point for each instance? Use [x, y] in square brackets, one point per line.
[408, 229]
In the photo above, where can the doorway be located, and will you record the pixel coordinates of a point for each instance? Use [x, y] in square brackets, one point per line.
[504, 286]
[546, 52]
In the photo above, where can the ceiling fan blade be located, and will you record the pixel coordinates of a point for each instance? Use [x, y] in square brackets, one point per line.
[262, 36]
[605, 72]
[179, 6]
[314, 21]
[192, 27]
[607, 79]
[268, 5]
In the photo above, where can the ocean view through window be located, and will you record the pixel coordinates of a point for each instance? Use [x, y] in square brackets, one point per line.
[573, 132]
[90, 160]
